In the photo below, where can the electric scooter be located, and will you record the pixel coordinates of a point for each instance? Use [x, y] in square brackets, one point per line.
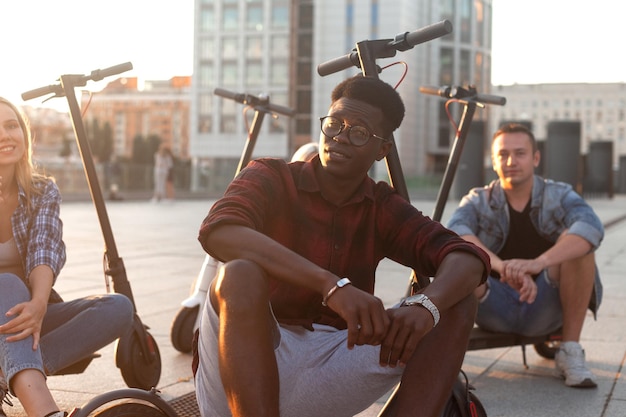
[187, 319]
[137, 354]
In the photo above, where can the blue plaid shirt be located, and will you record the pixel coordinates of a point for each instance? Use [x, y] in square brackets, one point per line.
[39, 235]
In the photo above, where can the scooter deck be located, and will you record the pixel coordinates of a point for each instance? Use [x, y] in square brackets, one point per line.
[483, 339]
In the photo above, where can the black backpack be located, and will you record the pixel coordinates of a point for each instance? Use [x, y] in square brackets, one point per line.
[463, 402]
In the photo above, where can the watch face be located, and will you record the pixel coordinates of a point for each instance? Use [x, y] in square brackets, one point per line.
[415, 299]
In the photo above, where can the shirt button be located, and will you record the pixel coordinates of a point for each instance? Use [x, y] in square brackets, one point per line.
[336, 247]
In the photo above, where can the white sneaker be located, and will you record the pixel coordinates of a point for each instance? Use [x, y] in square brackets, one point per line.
[570, 364]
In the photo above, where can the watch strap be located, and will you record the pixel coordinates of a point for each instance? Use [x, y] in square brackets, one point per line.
[425, 302]
[341, 283]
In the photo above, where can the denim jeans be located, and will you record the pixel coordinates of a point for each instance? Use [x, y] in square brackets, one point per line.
[502, 311]
[71, 330]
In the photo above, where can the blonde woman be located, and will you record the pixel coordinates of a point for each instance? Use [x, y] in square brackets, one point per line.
[35, 325]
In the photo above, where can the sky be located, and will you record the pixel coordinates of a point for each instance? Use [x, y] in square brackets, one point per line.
[534, 41]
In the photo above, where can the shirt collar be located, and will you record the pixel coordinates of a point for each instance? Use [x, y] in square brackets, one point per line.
[308, 183]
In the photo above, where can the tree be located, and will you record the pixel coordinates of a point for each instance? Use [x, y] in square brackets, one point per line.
[139, 150]
[154, 141]
[106, 143]
[66, 150]
[100, 140]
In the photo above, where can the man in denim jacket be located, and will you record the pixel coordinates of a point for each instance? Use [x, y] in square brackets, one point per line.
[541, 237]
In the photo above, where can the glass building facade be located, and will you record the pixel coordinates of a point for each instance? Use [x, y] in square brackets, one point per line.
[273, 47]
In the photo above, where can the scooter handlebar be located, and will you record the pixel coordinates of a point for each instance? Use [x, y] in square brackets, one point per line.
[402, 42]
[338, 64]
[99, 74]
[95, 75]
[490, 99]
[42, 91]
[255, 101]
[460, 93]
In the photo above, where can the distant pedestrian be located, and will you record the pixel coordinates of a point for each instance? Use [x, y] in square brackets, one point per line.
[169, 180]
[163, 161]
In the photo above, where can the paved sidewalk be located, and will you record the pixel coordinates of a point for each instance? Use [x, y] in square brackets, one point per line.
[158, 245]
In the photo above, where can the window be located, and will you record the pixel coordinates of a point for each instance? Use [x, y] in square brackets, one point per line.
[207, 20]
[229, 124]
[480, 22]
[305, 17]
[303, 126]
[280, 16]
[206, 49]
[304, 75]
[279, 75]
[466, 21]
[230, 18]
[254, 20]
[254, 74]
[305, 46]
[254, 48]
[229, 74]
[230, 48]
[304, 101]
[205, 78]
[205, 103]
[465, 68]
[280, 47]
[445, 73]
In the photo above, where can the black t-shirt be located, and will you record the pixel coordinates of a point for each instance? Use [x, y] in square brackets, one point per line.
[523, 241]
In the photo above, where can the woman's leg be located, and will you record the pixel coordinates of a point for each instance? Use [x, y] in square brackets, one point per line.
[90, 323]
[20, 364]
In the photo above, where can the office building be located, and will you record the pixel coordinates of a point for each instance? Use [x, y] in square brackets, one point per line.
[273, 47]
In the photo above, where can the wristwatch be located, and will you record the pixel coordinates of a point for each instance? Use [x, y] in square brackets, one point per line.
[340, 284]
[424, 301]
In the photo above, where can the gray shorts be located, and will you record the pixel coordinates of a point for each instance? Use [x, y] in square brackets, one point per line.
[319, 376]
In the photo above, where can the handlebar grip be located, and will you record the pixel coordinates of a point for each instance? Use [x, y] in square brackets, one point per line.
[428, 33]
[490, 99]
[338, 64]
[254, 101]
[240, 98]
[41, 91]
[99, 74]
[285, 111]
[436, 91]
[447, 91]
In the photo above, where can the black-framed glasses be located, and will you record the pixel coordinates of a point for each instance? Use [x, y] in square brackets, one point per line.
[357, 135]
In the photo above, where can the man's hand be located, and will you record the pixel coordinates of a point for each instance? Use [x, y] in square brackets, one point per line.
[364, 313]
[28, 318]
[408, 326]
[518, 274]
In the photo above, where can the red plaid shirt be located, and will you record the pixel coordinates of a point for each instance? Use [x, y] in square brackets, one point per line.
[283, 201]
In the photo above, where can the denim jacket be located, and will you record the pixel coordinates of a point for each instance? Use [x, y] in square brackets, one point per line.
[555, 206]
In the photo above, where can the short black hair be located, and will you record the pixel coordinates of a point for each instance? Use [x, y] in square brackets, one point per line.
[516, 128]
[376, 93]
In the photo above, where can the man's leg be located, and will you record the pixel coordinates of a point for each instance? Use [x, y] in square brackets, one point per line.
[430, 374]
[576, 278]
[246, 352]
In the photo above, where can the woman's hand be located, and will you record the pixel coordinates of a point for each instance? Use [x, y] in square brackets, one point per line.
[27, 320]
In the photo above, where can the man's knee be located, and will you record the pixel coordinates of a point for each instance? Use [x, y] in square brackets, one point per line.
[582, 268]
[241, 282]
[462, 314]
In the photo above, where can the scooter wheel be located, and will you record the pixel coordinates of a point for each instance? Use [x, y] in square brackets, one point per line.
[131, 410]
[183, 327]
[137, 370]
[547, 349]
